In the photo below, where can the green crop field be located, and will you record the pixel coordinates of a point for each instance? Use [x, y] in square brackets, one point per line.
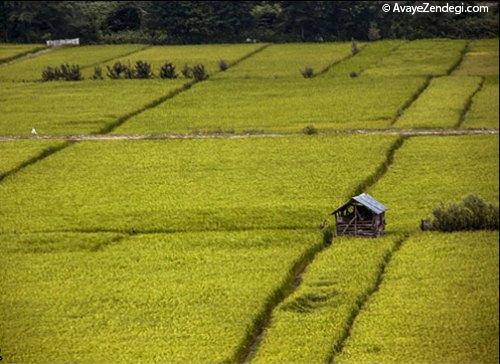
[287, 60]
[481, 59]
[187, 221]
[441, 105]
[437, 303]
[10, 51]
[309, 323]
[283, 104]
[431, 170]
[30, 69]
[484, 109]
[80, 297]
[421, 57]
[13, 153]
[189, 185]
[62, 107]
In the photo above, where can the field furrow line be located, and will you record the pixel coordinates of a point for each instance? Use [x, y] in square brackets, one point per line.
[460, 59]
[335, 63]
[117, 57]
[411, 100]
[379, 62]
[363, 300]
[248, 347]
[468, 103]
[45, 153]
[23, 55]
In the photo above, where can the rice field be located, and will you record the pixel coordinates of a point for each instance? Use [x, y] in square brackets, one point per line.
[202, 242]
[308, 324]
[188, 185]
[12, 51]
[14, 153]
[187, 297]
[282, 104]
[428, 57]
[30, 69]
[442, 104]
[65, 108]
[433, 170]
[287, 60]
[436, 303]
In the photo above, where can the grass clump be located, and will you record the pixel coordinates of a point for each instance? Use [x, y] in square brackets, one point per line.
[307, 72]
[142, 70]
[223, 65]
[310, 130]
[472, 213]
[187, 71]
[167, 71]
[199, 72]
[97, 73]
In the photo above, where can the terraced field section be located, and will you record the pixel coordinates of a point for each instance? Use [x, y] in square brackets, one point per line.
[188, 297]
[369, 56]
[208, 55]
[189, 185]
[30, 69]
[309, 323]
[12, 51]
[15, 153]
[483, 112]
[481, 59]
[442, 104]
[432, 170]
[74, 107]
[287, 60]
[438, 302]
[428, 57]
[279, 104]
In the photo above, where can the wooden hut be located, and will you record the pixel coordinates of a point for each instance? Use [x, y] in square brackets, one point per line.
[362, 215]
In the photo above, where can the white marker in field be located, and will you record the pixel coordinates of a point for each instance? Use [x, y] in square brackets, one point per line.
[33, 132]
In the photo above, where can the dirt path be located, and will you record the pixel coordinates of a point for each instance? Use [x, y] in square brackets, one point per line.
[167, 136]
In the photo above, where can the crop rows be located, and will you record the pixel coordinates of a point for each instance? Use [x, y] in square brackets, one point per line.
[12, 51]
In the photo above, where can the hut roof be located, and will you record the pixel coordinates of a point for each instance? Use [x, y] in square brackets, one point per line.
[367, 201]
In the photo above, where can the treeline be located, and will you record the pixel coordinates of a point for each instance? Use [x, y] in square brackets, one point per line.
[178, 22]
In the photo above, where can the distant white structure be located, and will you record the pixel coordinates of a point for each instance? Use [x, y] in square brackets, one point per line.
[60, 42]
[33, 132]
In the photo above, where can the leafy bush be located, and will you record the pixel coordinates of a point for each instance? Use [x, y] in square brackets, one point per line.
[187, 71]
[143, 70]
[49, 74]
[223, 65]
[117, 70]
[473, 213]
[353, 74]
[97, 73]
[310, 130]
[128, 72]
[307, 72]
[167, 71]
[63, 72]
[199, 72]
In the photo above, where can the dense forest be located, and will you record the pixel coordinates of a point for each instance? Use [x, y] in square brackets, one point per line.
[175, 22]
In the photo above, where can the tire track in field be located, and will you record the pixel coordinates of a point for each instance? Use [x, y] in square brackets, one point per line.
[363, 300]
[110, 127]
[468, 103]
[250, 344]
